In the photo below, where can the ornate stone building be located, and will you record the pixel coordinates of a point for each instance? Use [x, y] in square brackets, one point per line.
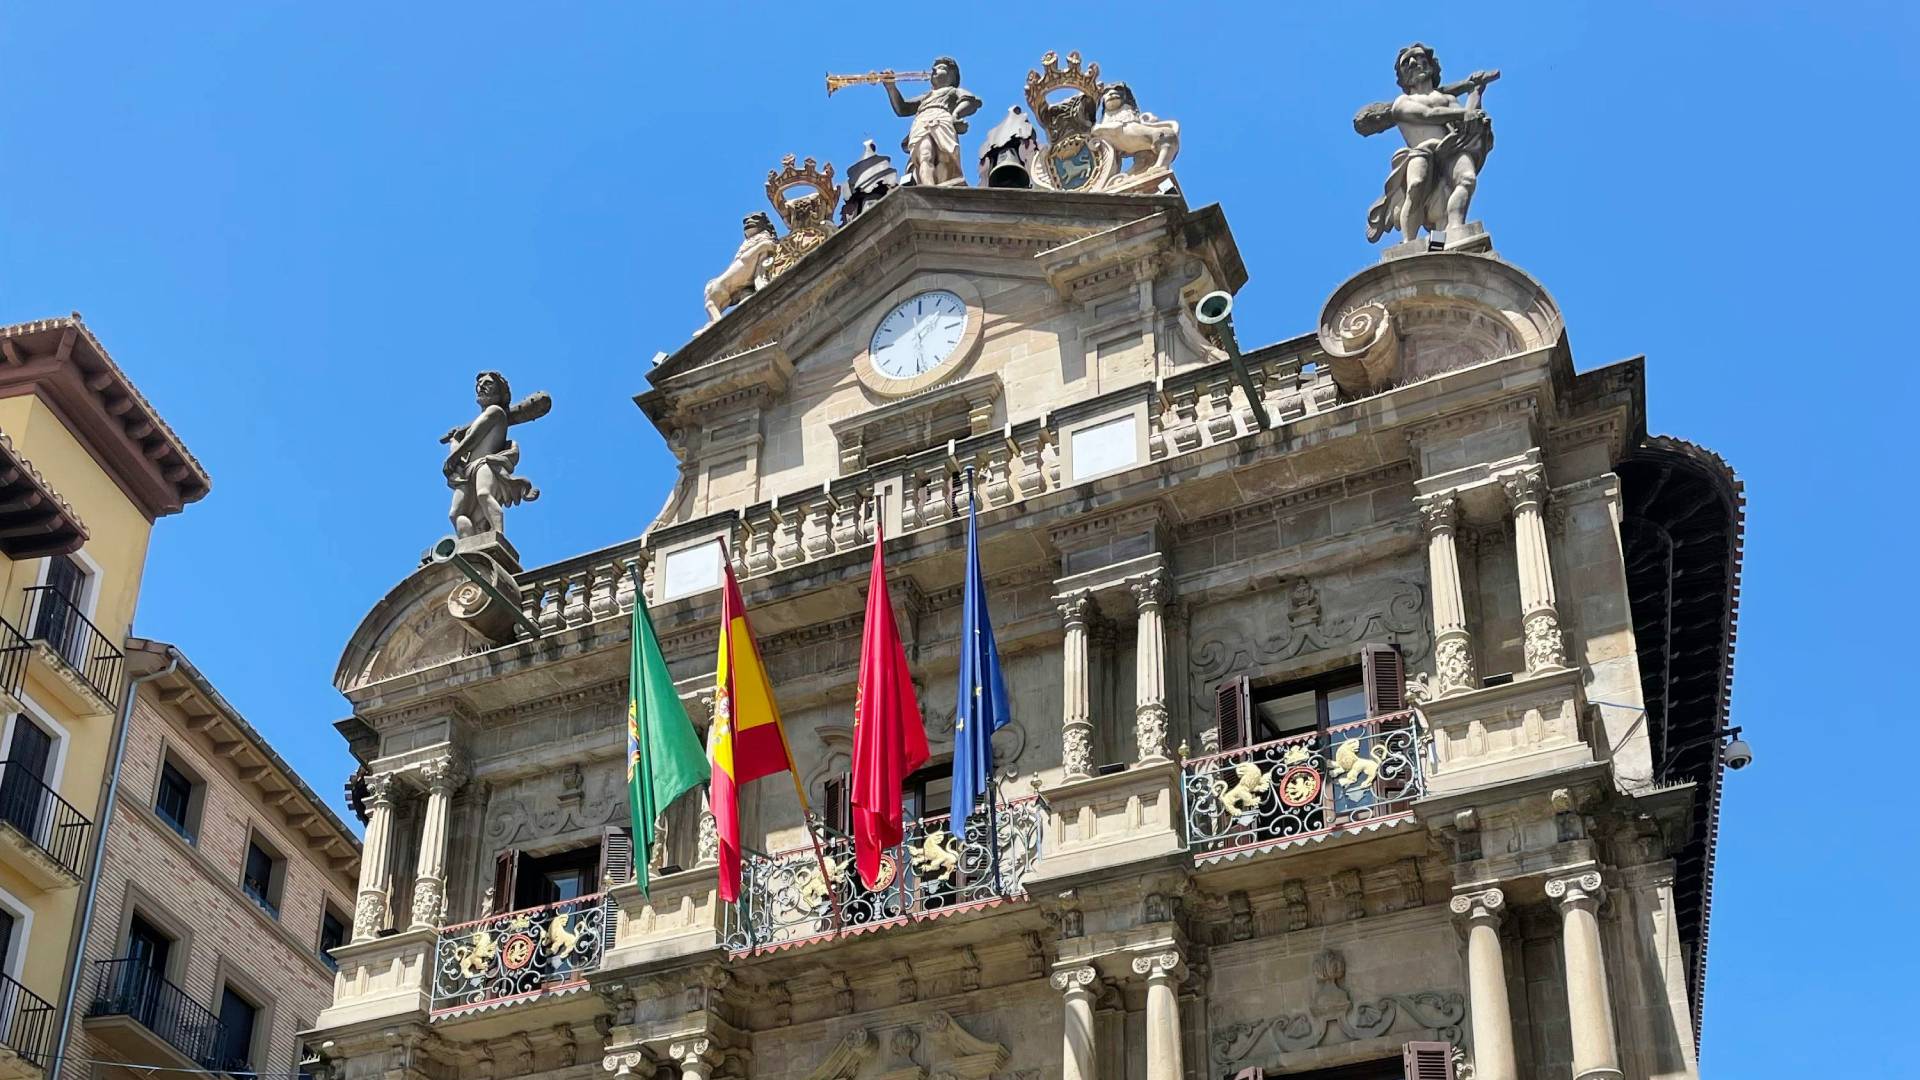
[1369, 686]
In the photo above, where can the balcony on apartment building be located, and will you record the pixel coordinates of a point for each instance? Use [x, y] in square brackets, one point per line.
[48, 837]
[74, 645]
[144, 1017]
[26, 1032]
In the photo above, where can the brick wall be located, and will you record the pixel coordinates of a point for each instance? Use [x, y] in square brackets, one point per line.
[193, 891]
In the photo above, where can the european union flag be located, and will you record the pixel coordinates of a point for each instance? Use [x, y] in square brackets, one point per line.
[982, 706]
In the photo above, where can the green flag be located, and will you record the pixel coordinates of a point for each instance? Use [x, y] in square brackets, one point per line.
[664, 757]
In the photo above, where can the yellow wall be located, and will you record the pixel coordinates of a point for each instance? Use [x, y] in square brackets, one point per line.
[117, 545]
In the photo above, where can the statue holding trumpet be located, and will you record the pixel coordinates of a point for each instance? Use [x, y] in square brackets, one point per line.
[939, 117]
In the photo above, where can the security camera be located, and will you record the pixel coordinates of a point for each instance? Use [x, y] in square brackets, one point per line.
[1736, 754]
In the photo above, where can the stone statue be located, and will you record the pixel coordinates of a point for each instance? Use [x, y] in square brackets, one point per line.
[1433, 176]
[939, 119]
[748, 270]
[480, 463]
[1149, 142]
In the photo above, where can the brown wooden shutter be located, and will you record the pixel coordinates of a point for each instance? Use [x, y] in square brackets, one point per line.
[1386, 679]
[506, 875]
[838, 803]
[1233, 713]
[616, 856]
[1427, 1060]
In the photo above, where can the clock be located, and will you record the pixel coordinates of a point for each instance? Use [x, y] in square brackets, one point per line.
[918, 335]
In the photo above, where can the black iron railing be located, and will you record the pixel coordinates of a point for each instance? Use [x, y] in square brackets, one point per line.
[801, 895]
[1303, 786]
[14, 648]
[53, 618]
[38, 811]
[26, 1022]
[127, 987]
[518, 954]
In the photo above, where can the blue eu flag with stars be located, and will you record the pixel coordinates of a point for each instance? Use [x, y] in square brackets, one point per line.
[982, 706]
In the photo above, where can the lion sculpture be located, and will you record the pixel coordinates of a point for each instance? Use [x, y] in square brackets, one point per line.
[1148, 141]
[1240, 799]
[748, 271]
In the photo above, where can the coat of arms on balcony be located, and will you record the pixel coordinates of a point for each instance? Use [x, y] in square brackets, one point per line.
[1072, 160]
[805, 197]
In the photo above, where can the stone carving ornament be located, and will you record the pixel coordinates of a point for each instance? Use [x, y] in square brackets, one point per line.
[1092, 128]
[939, 119]
[481, 459]
[1221, 650]
[748, 272]
[1432, 178]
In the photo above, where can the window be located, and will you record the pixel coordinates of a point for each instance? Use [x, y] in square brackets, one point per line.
[6, 940]
[148, 946]
[537, 880]
[176, 801]
[141, 978]
[1245, 715]
[333, 934]
[23, 786]
[927, 793]
[237, 1016]
[260, 878]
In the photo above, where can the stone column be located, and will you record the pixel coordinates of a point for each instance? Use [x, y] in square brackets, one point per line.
[1526, 492]
[1150, 671]
[443, 778]
[1479, 914]
[1452, 645]
[370, 907]
[1589, 1008]
[1076, 722]
[1077, 1053]
[1162, 970]
[694, 1058]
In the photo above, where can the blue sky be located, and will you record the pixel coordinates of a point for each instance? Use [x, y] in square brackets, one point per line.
[303, 227]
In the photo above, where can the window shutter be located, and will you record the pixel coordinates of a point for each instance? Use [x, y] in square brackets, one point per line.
[506, 867]
[1386, 679]
[1427, 1060]
[838, 808]
[1233, 714]
[616, 856]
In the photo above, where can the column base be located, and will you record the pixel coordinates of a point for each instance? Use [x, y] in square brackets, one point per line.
[1603, 1073]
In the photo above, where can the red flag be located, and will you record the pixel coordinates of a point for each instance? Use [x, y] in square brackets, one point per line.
[889, 740]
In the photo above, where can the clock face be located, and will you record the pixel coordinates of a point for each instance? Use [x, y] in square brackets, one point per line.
[919, 334]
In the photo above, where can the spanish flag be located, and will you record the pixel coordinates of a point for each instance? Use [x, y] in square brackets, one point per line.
[747, 741]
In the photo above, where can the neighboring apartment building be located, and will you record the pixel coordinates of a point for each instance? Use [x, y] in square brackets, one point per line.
[1369, 688]
[86, 467]
[225, 883]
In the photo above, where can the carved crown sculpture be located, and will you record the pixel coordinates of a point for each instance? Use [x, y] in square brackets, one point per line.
[1069, 116]
[811, 208]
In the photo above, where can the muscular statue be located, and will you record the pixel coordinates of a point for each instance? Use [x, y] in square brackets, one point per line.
[748, 271]
[1149, 142]
[480, 463]
[1434, 175]
[939, 119]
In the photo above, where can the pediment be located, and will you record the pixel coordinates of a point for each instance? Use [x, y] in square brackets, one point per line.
[410, 629]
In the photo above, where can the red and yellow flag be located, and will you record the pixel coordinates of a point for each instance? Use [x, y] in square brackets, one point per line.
[747, 741]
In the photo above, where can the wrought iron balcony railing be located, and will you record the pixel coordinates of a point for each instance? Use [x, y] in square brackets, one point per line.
[518, 954]
[26, 1022]
[127, 987]
[51, 822]
[56, 620]
[1303, 786]
[786, 899]
[14, 648]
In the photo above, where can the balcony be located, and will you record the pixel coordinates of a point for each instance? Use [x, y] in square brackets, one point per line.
[26, 1031]
[1350, 778]
[786, 900]
[50, 835]
[14, 650]
[73, 643]
[518, 954]
[144, 1017]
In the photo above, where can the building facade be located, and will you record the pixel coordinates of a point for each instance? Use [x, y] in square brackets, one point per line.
[1369, 687]
[225, 883]
[86, 467]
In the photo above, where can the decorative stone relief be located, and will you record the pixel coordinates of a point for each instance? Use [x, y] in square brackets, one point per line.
[1217, 651]
[1432, 178]
[548, 805]
[1336, 1017]
[481, 459]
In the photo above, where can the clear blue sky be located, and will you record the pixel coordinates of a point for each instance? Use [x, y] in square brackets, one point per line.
[303, 227]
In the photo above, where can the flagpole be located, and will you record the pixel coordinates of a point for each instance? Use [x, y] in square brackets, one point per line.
[986, 748]
[800, 792]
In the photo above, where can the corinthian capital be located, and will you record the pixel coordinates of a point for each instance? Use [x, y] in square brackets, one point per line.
[382, 789]
[1525, 486]
[1149, 590]
[443, 775]
[1074, 609]
[1439, 511]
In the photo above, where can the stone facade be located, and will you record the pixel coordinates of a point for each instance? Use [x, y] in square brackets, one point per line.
[1325, 733]
[181, 869]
